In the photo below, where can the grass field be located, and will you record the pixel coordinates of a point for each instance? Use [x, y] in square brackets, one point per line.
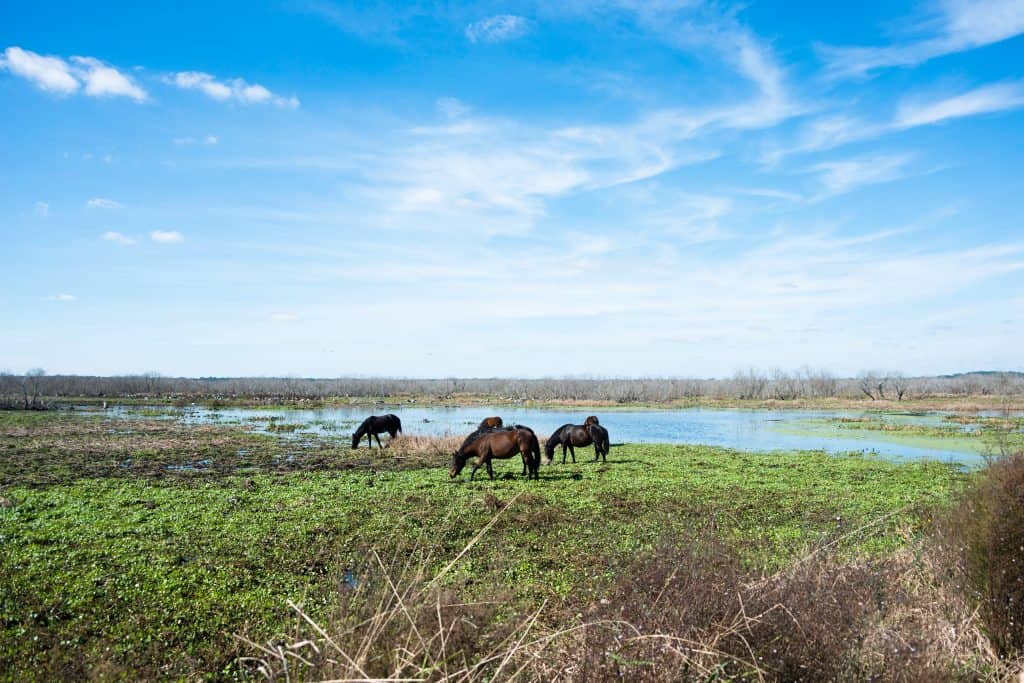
[140, 547]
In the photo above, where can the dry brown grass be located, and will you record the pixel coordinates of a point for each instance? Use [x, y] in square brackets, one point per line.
[981, 542]
[689, 610]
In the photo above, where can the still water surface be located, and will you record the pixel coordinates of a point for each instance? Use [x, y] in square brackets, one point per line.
[750, 430]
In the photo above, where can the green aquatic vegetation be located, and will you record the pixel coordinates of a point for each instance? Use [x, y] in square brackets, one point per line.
[909, 430]
[131, 569]
[275, 426]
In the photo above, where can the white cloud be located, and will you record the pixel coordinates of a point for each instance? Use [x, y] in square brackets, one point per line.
[840, 177]
[54, 74]
[207, 140]
[101, 203]
[283, 317]
[119, 238]
[962, 25]
[236, 89]
[63, 297]
[41, 209]
[47, 73]
[102, 80]
[828, 132]
[983, 100]
[498, 28]
[166, 236]
[452, 107]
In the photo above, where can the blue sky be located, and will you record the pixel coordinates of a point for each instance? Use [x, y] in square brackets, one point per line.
[607, 188]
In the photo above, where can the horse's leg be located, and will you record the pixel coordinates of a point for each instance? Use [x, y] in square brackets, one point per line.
[379, 446]
[476, 466]
[565, 451]
[490, 468]
[572, 451]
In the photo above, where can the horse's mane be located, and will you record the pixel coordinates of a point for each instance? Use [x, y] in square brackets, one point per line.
[554, 440]
[480, 431]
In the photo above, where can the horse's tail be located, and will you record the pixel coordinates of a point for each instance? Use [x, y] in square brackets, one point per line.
[553, 440]
[607, 442]
[535, 448]
[599, 435]
[398, 423]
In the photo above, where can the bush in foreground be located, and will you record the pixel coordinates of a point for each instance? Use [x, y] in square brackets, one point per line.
[689, 610]
[983, 540]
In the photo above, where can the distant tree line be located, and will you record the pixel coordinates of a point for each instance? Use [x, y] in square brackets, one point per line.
[35, 388]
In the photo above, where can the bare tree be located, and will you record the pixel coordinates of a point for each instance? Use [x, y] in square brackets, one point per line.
[31, 388]
[872, 385]
[899, 384]
[749, 383]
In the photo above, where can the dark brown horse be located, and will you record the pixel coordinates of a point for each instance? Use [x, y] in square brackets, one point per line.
[500, 444]
[490, 423]
[375, 425]
[592, 420]
[569, 435]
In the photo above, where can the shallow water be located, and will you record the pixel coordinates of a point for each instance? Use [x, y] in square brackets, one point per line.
[749, 430]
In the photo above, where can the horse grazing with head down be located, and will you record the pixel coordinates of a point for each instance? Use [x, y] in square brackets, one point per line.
[500, 444]
[375, 425]
[569, 435]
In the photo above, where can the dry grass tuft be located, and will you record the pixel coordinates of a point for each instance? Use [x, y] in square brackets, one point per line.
[981, 546]
[943, 608]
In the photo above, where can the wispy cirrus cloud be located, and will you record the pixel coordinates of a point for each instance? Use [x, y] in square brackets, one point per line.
[89, 75]
[842, 176]
[102, 203]
[166, 236]
[205, 140]
[984, 100]
[498, 28]
[63, 298]
[117, 238]
[230, 90]
[958, 25]
[831, 131]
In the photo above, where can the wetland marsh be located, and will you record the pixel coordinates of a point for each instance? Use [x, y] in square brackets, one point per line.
[139, 542]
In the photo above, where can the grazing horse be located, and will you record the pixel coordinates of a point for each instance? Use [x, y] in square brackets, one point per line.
[501, 444]
[375, 425]
[490, 423]
[592, 420]
[569, 435]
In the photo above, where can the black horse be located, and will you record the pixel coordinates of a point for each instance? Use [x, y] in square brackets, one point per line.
[569, 435]
[375, 425]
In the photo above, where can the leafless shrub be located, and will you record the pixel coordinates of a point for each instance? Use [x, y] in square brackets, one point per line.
[982, 542]
[689, 610]
[750, 384]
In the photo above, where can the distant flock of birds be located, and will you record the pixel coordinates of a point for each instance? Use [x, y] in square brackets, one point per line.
[492, 440]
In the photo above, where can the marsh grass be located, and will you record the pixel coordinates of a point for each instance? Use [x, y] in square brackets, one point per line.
[127, 573]
[688, 610]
